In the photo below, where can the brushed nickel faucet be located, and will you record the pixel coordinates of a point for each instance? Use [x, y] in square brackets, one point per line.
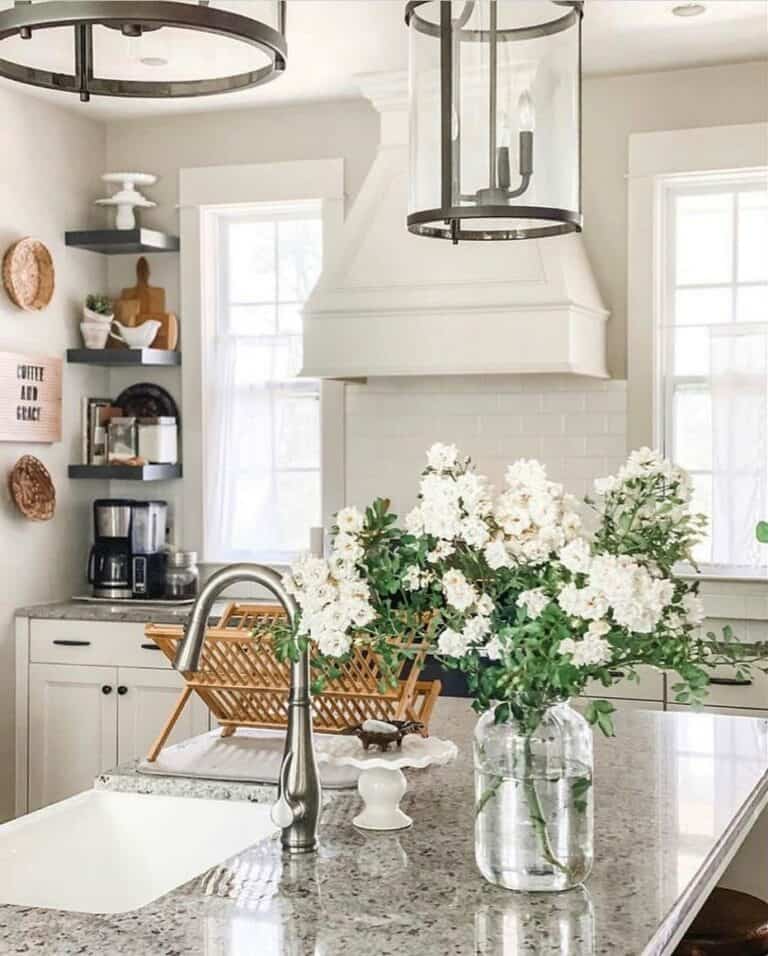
[299, 796]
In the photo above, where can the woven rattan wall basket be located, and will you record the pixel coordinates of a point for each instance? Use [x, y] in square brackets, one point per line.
[244, 685]
[28, 274]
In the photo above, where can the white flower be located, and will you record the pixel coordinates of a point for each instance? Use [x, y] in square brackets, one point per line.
[484, 605]
[442, 550]
[496, 554]
[347, 548]
[334, 643]
[442, 457]
[588, 603]
[414, 579]
[526, 472]
[694, 609]
[534, 601]
[459, 593]
[474, 531]
[591, 651]
[451, 643]
[414, 522]
[350, 520]
[493, 649]
[475, 494]
[475, 629]
[598, 628]
[604, 486]
[576, 556]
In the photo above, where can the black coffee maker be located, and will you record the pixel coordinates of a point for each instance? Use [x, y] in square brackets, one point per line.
[128, 557]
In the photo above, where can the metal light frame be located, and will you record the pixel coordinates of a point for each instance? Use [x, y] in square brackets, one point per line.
[450, 33]
[133, 19]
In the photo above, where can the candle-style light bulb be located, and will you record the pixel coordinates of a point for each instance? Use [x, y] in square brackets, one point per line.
[526, 112]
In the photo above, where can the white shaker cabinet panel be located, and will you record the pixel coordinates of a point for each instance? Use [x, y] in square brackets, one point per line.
[72, 729]
[649, 688]
[146, 697]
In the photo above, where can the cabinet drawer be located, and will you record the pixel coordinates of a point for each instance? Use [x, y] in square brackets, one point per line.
[98, 643]
[651, 687]
[725, 691]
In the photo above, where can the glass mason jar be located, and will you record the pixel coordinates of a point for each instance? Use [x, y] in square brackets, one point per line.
[533, 801]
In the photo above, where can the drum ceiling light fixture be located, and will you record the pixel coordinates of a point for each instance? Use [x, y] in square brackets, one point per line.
[98, 22]
[495, 118]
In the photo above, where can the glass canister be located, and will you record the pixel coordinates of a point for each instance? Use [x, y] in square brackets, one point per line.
[533, 801]
[182, 577]
[121, 440]
[158, 440]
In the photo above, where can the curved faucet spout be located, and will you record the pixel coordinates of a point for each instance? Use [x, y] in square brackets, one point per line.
[299, 797]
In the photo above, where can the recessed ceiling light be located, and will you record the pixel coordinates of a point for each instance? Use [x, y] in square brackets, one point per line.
[689, 10]
[153, 61]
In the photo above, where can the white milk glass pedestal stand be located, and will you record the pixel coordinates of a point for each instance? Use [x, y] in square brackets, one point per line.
[382, 783]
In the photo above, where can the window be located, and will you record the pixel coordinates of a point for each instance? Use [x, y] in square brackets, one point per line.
[713, 353]
[262, 423]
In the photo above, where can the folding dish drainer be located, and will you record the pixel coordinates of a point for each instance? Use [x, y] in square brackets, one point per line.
[244, 685]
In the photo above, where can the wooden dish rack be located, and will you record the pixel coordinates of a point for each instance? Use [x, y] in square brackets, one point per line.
[243, 683]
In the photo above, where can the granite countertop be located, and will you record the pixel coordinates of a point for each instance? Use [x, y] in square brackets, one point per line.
[130, 613]
[675, 794]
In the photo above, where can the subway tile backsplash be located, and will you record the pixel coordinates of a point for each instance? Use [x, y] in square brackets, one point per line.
[575, 426]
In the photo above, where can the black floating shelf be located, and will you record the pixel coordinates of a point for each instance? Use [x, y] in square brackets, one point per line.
[126, 472]
[121, 242]
[123, 357]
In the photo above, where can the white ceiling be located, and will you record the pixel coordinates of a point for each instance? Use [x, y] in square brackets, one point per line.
[331, 41]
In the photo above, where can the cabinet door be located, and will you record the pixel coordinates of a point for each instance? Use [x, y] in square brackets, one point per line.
[146, 698]
[72, 729]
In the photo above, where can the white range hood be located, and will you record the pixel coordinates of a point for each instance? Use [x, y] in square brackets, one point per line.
[390, 303]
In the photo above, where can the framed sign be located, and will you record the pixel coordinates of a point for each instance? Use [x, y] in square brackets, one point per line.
[30, 397]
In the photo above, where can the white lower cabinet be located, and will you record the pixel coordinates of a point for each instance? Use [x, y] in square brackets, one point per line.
[145, 699]
[72, 729]
[89, 696]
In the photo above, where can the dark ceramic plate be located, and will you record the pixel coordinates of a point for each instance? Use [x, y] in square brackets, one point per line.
[146, 400]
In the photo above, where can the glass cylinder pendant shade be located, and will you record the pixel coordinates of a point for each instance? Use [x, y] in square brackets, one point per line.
[495, 118]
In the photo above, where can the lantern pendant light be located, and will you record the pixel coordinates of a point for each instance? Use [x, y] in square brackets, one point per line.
[495, 118]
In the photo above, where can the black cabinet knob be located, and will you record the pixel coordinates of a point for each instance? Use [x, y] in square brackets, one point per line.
[106, 689]
[122, 690]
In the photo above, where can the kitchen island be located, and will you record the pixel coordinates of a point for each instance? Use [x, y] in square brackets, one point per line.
[675, 796]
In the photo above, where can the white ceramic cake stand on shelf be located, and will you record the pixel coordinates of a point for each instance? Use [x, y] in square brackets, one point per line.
[382, 783]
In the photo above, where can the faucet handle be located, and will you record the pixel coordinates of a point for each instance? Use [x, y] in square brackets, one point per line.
[281, 814]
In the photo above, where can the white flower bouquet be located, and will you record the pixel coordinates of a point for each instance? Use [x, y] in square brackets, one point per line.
[512, 589]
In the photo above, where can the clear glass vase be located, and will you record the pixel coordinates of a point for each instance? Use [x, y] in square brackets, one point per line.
[533, 801]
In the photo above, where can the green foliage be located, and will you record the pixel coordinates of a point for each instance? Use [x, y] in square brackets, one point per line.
[761, 532]
[101, 304]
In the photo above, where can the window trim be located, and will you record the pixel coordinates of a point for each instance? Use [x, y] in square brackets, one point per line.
[221, 186]
[655, 159]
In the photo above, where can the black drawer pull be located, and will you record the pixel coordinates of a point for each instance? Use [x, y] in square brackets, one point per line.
[731, 681]
[150, 647]
[106, 689]
[122, 690]
[616, 673]
[73, 643]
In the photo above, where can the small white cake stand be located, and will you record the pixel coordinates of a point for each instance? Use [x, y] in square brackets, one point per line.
[382, 783]
[128, 198]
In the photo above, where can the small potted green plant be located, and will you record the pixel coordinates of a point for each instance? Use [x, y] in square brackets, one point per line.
[98, 308]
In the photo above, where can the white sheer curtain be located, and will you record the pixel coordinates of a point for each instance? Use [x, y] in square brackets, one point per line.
[262, 434]
[739, 382]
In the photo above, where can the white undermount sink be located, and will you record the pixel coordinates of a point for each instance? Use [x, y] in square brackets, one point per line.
[104, 852]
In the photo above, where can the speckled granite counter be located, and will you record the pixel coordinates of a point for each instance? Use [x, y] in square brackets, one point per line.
[675, 795]
[85, 611]
[134, 614]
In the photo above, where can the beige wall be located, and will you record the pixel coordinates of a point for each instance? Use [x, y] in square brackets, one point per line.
[616, 106]
[50, 164]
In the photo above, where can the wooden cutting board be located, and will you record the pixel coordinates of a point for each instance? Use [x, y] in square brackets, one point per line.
[151, 298]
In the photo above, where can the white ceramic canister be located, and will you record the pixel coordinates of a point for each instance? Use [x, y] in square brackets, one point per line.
[158, 440]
